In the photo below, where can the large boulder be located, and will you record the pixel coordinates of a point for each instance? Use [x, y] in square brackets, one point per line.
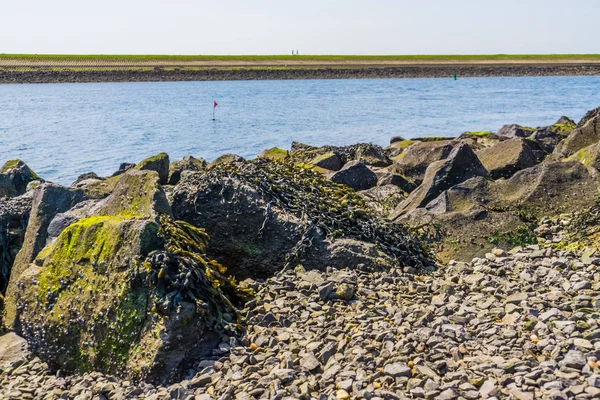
[95, 297]
[188, 163]
[356, 175]
[224, 159]
[263, 216]
[158, 163]
[48, 200]
[383, 199]
[513, 131]
[586, 133]
[15, 175]
[416, 158]
[507, 157]
[462, 164]
[549, 189]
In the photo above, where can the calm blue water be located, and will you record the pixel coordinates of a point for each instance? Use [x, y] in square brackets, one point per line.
[63, 130]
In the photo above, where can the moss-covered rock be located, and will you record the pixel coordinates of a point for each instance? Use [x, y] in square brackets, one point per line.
[158, 163]
[125, 289]
[15, 175]
[274, 153]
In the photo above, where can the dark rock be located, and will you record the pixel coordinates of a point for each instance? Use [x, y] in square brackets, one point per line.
[85, 177]
[418, 156]
[356, 175]
[462, 164]
[158, 163]
[188, 163]
[507, 157]
[330, 161]
[262, 215]
[372, 155]
[515, 131]
[395, 139]
[123, 167]
[15, 175]
[14, 214]
[548, 137]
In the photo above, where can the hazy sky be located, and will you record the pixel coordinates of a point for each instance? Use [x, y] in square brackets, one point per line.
[311, 26]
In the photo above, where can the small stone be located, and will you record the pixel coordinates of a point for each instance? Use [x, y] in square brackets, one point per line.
[342, 395]
[397, 370]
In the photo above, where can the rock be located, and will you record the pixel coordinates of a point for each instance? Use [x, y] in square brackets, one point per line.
[330, 161]
[418, 156]
[402, 182]
[507, 157]
[225, 159]
[397, 370]
[188, 163]
[515, 131]
[372, 155]
[549, 137]
[345, 292]
[85, 177]
[309, 362]
[123, 168]
[383, 199]
[111, 273]
[588, 156]
[15, 175]
[158, 163]
[573, 359]
[585, 133]
[48, 200]
[355, 175]
[461, 165]
[395, 139]
[13, 349]
[273, 154]
[14, 214]
[254, 236]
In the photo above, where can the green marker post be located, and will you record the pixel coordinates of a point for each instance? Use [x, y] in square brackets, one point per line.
[455, 76]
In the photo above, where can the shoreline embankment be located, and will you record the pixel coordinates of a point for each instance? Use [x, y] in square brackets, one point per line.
[43, 74]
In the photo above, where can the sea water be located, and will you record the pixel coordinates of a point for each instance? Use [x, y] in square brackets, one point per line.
[64, 130]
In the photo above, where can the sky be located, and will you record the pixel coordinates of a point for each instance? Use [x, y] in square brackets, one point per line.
[310, 26]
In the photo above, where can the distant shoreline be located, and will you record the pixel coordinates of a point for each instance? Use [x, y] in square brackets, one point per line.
[83, 74]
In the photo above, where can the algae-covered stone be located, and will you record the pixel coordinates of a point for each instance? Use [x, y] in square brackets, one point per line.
[158, 163]
[588, 156]
[274, 153]
[262, 216]
[15, 175]
[188, 163]
[124, 289]
[48, 200]
[372, 155]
